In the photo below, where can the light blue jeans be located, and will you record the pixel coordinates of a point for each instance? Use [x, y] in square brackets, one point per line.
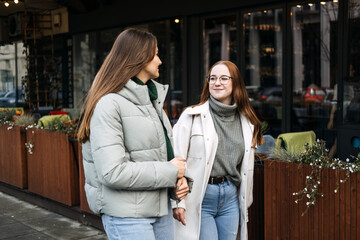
[154, 228]
[220, 212]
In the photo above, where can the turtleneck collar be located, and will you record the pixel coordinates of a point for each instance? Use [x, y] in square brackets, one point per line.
[221, 109]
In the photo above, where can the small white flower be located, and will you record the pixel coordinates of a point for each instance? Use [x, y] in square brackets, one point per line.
[308, 195]
[341, 181]
[318, 182]
[335, 191]
[308, 203]
[347, 160]
[305, 189]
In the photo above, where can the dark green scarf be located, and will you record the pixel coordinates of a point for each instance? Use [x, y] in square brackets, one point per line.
[153, 94]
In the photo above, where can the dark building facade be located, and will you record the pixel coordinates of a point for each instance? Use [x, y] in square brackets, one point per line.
[300, 60]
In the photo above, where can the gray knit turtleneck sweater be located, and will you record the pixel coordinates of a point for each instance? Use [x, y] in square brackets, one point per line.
[230, 150]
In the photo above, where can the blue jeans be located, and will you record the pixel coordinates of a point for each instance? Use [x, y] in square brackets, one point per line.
[220, 212]
[152, 228]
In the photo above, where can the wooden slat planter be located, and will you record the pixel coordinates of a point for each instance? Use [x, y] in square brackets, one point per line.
[84, 206]
[334, 216]
[256, 210]
[52, 170]
[13, 165]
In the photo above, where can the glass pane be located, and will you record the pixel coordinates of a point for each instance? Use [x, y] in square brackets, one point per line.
[12, 71]
[84, 65]
[219, 40]
[351, 103]
[169, 36]
[90, 50]
[314, 34]
[263, 70]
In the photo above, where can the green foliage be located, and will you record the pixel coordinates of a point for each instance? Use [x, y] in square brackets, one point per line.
[317, 156]
[62, 125]
[25, 120]
[6, 117]
[283, 155]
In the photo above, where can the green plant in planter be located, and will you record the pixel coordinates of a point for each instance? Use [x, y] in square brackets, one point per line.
[6, 117]
[62, 125]
[317, 156]
[25, 120]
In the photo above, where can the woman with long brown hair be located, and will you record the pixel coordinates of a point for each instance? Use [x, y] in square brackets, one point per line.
[217, 138]
[127, 143]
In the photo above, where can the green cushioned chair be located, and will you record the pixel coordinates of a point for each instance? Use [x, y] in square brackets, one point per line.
[295, 142]
[45, 120]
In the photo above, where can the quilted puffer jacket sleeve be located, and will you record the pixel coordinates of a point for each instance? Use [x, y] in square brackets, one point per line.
[114, 168]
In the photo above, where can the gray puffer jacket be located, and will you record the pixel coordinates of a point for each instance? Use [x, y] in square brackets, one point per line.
[125, 161]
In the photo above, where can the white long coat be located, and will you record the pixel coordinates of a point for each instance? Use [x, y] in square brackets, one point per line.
[195, 140]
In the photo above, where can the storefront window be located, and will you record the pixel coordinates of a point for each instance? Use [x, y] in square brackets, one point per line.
[90, 50]
[263, 69]
[351, 103]
[12, 71]
[219, 41]
[314, 38]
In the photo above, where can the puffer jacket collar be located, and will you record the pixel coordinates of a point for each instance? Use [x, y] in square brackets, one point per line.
[139, 95]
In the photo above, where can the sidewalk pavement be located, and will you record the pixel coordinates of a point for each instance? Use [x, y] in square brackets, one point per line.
[22, 220]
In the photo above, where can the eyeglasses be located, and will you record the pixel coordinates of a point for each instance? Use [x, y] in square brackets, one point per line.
[223, 79]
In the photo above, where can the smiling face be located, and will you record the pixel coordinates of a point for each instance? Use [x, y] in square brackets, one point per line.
[219, 90]
[151, 70]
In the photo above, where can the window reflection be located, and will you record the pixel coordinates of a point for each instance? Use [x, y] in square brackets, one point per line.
[263, 71]
[219, 40]
[314, 34]
[12, 71]
[351, 103]
[90, 50]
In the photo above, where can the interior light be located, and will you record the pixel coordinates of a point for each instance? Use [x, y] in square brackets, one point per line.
[249, 14]
[6, 4]
[322, 3]
[16, 1]
[310, 4]
[335, 1]
[299, 6]
[176, 20]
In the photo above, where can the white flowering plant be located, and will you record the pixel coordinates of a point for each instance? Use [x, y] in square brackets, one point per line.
[317, 156]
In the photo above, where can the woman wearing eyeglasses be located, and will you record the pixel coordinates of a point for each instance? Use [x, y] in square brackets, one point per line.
[217, 138]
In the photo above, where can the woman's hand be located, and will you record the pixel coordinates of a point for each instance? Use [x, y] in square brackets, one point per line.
[179, 214]
[180, 164]
[182, 188]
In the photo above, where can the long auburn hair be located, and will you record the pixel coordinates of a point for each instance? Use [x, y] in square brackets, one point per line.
[240, 97]
[130, 53]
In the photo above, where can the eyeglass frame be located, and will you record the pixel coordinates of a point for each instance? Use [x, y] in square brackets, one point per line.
[219, 78]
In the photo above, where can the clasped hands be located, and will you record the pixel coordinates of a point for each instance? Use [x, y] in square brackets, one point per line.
[181, 190]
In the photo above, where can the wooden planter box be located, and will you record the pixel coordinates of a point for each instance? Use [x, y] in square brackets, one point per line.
[84, 206]
[334, 216]
[256, 211]
[52, 169]
[13, 165]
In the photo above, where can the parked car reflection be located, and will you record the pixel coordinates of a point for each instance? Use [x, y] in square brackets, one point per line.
[9, 99]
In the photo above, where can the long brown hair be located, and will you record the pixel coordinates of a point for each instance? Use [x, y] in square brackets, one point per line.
[131, 51]
[240, 97]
